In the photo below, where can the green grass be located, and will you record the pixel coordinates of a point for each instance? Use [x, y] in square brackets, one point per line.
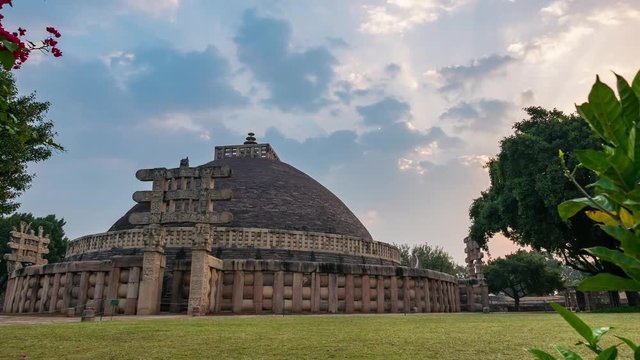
[431, 336]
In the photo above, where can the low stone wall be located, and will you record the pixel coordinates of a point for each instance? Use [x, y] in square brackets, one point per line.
[264, 287]
[237, 238]
[75, 285]
[203, 284]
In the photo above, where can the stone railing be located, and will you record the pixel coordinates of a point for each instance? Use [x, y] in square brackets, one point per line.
[242, 238]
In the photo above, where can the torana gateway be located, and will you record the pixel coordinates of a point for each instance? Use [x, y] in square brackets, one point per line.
[245, 233]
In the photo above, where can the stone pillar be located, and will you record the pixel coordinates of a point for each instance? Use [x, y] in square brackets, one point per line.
[237, 294]
[278, 292]
[296, 297]
[393, 291]
[153, 263]
[380, 295]
[82, 294]
[333, 293]
[213, 294]
[406, 296]
[202, 241]
[98, 293]
[366, 297]
[348, 293]
[470, 298]
[485, 294]
[427, 299]
[66, 295]
[315, 292]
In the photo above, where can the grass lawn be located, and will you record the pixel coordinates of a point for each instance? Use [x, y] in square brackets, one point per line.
[429, 336]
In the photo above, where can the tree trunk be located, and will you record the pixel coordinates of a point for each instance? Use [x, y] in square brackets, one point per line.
[633, 298]
[517, 301]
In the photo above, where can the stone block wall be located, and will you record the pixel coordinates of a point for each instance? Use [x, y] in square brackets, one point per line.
[74, 285]
[204, 284]
[275, 287]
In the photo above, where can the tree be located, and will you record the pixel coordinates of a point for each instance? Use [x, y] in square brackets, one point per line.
[431, 257]
[521, 274]
[527, 184]
[52, 226]
[29, 139]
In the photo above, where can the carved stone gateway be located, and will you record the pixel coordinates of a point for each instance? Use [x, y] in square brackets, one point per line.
[27, 247]
[182, 195]
[475, 265]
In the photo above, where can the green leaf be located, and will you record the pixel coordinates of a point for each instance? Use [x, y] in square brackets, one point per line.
[629, 343]
[541, 355]
[10, 45]
[568, 354]
[628, 240]
[622, 169]
[635, 84]
[580, 326]
[597, 333]
[587, 113]
[608, 111]
[593, 160]
[629, 102]
[608, 354]
[6, 59]
[569, 208]
[629, 264]
[636, 354]
[608, 282]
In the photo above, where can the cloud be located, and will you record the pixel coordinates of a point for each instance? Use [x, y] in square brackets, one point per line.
[176, 122]
[385, 111]
[392, 70]
[337, 42]
[482, 115]
[203, 82]
[155, 8]
[398, 16]
[457, 77]
[295, 79]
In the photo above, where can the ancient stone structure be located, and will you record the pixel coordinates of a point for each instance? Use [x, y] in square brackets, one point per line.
[245, 234]
[26, 247]
[474, 292]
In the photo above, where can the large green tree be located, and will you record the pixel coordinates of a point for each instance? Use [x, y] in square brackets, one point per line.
[26, 136]
[431, 257]
[522, 274]
[52, 226]
[527, 184]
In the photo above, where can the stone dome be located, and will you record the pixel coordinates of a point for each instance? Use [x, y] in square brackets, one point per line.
[271, 194]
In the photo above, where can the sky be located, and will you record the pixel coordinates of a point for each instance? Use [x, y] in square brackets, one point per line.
[395, 105]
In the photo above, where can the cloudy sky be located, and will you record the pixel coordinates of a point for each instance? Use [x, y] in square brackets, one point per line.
[393, 105]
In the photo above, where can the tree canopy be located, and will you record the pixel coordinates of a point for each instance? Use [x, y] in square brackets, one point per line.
[527, 184]
[52, 226]
[431, 257]
[28, 139]
[522, 274]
